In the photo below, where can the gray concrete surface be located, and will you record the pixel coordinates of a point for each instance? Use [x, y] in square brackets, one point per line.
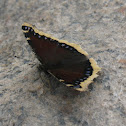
[31, 98]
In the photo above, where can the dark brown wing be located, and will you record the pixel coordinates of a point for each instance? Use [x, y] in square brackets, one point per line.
[60, 58]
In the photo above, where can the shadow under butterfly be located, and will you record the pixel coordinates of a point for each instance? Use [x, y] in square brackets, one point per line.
[65, 61]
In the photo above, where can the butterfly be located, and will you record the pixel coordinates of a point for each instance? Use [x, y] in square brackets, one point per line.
[65, 61]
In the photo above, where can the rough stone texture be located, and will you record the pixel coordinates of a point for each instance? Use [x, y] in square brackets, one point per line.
[28, 98]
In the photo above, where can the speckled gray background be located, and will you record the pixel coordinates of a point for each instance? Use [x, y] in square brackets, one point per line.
[31, 98]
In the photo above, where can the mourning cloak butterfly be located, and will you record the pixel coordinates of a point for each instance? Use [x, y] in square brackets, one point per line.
[66, 61]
